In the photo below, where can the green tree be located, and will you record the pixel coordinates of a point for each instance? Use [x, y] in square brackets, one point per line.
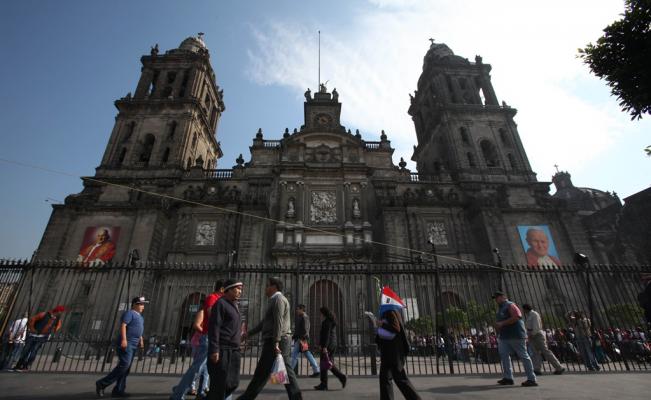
[421, 326]
[625, 315]
[622, 57]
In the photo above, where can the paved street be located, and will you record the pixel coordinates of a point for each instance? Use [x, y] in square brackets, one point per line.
[19, 386]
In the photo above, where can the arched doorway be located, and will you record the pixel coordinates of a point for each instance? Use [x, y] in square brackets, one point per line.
[325, 293]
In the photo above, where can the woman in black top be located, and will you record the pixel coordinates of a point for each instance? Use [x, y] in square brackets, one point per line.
[328, 342]
[394, 347]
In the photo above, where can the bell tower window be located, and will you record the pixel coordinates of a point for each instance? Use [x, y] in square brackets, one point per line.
[123, 154]
[464, 135]
[147, 148]
[166, 156]
[490, 154]
[471, 160]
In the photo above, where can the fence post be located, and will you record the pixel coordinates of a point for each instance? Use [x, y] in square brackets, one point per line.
[372, 347]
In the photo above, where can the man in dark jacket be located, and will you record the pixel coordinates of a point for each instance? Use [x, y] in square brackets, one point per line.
[394, 347]
[301, 338]
[224, 337]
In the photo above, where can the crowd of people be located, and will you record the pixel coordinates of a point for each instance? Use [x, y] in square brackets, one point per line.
[219, 337]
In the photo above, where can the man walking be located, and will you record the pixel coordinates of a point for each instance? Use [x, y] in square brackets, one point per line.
[224, 338]
[201, 351]
[41, 326]
[301, 340]
[14, 342]
[538, 343]
[276, 336]
[511, 338]
[583, 330]
[132, 325]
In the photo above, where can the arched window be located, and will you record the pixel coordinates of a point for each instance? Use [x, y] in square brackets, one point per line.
[464, 135]
[166, 156]
[173, 126]
[504, 137]
[131, 126]
[490, 154]
[512, 162]
[471, 160]
[123, 154]
[147, 148]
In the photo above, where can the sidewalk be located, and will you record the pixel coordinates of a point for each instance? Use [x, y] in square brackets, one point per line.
[624, 386]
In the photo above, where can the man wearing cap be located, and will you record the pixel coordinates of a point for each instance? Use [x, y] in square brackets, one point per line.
[132, 325]
[41, 326]
[511, 337]
[538, 343]
[201, 351]
[224, 337]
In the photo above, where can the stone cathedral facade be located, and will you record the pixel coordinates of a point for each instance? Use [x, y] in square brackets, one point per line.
[320, 193]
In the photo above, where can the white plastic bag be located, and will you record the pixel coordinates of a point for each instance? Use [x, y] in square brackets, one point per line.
[279, 372]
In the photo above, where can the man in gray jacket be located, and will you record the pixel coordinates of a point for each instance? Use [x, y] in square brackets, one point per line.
[276, 337]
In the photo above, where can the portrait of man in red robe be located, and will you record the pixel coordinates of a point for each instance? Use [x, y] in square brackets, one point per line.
[98, 246]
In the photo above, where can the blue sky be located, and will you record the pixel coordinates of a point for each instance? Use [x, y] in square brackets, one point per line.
[65, 62]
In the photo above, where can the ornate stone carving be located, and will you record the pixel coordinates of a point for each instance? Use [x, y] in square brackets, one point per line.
[436, 233]
[356, 211]
[323, 207]
[291, 211]
[206, 232]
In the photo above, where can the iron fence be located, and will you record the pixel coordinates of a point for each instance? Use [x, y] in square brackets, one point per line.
[449, 315]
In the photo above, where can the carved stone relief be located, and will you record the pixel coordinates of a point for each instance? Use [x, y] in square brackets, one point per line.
[436, 233]
[323, 207]
[206, 232]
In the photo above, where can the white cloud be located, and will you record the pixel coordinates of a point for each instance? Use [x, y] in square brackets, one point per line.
[376, 63]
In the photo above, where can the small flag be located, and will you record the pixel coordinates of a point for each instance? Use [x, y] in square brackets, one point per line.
[390, 301]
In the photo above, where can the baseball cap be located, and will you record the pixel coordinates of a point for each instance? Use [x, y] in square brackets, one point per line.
[139, 300]
[498, 293]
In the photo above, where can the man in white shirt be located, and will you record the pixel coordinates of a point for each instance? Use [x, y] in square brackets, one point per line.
[14, 342]
[538, 342]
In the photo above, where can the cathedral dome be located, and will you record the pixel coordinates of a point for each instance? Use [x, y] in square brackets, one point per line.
[193, 44]
[440, 53]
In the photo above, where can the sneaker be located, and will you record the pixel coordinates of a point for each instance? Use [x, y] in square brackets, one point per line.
[505, 381]
[559, 371]
[99, 390]
[529, 383]
[343, 381]
[314, 375]
[321, 386]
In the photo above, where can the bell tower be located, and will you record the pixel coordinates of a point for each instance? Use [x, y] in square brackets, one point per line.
[460, 126]
[171, 120]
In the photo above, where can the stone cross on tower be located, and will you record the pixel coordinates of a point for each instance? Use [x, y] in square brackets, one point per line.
[556, 166]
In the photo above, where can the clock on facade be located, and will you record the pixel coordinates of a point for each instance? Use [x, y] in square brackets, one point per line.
[323, 119]
[206, 231]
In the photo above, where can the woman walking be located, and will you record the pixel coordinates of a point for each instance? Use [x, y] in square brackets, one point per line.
[328, 343]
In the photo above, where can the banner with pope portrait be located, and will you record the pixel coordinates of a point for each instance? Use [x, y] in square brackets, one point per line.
[98, 246]
[539, 247]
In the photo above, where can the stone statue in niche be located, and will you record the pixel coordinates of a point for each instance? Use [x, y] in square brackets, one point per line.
[291, 212]
[323, 207]
[356, 212]
[436, 233]
[308, 95]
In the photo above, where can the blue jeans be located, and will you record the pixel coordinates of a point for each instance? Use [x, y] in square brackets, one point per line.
[585, 349]
[121, 371]
[507, 346]
[296, 351]
[10, 353]
[32, 345]
[198, 366]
